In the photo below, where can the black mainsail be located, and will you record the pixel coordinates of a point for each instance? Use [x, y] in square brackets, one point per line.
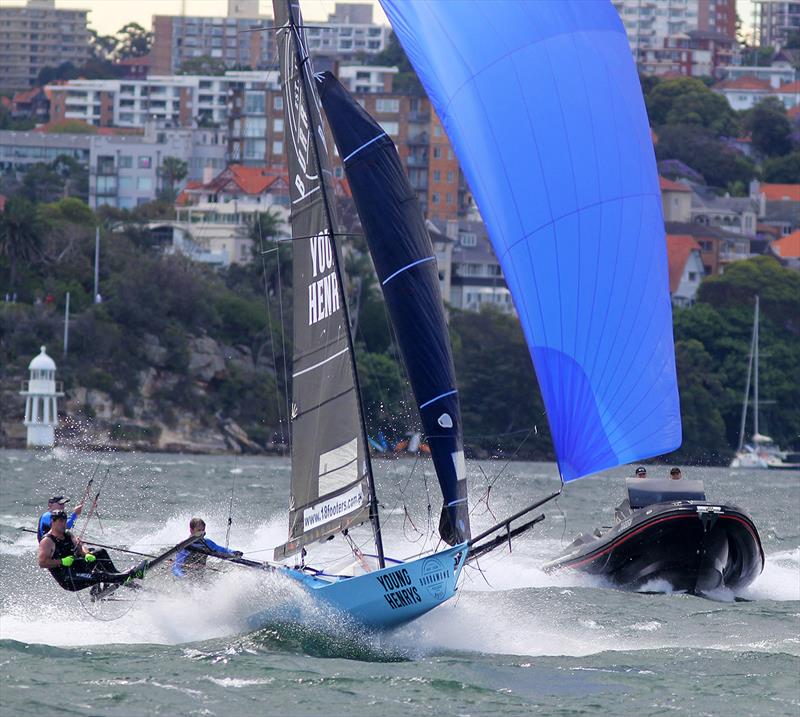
[331, 487]
[406, 265]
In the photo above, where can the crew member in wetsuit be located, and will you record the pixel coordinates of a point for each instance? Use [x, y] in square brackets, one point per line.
[191, 563]
[71, 564]
[57, 502]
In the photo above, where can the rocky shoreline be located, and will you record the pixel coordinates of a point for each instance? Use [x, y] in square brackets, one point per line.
[146, 420]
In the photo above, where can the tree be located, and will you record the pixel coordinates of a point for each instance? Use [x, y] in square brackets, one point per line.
[688, 101]
[74, 175]
[783, 170]
[393, 55]
[699, 149]
[770, 128]
[204, 65]
[704, 439]
[133, 41]
[500, 399]
[173, 171]
[42, 183]
[102, 47]
[20, 234]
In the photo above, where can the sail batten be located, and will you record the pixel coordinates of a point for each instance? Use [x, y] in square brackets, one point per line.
[542, 105]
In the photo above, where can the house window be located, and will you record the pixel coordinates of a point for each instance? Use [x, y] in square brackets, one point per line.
[434, 198]
[692, 276]
[391, 128]
[277, 147]
[277, 125]
[387, 105]
[145, 162]
[277, 102]
[468, 239]
[144, 184]
[125, 162]
[437, 175]
[437, 152]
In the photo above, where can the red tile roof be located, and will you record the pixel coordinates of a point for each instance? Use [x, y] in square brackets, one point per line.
[183, 197]
[788, 246]
[5, 102]
[781, 192]
[745, 83]
[667, 185]
[794, 112]
[790, 87]
[238, 179]
[679, 247]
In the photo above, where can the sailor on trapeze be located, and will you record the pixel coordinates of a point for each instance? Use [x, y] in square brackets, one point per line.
[72, 565]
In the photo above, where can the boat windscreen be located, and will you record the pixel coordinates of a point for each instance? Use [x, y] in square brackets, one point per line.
[645, 491]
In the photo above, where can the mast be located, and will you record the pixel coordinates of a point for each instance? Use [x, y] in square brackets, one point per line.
[374, 517]
[306, 128]
[755, 377]
[753, 342]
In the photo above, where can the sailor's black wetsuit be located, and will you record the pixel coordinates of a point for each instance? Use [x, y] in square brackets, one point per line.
[82, 574]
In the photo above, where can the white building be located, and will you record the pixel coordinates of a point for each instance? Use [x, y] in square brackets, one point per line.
[686, 269]
[214, 218]
[651, 24]
[41, 401]
[169, 100]
[366, 78]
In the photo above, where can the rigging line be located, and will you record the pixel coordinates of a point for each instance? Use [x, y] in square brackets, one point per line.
[230, 509]
[271, 334]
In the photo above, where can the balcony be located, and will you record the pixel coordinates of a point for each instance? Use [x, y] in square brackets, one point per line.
[423, 117]
[420, 139]
[417, 161]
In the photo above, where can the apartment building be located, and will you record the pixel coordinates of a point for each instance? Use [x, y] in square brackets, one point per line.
[39, 35]
[171, 101]
[659, 29]
[238, 41]
[776, 20]
[244, 39]
[696, 53]
[476, 278]
[19, 150]
[125, 170]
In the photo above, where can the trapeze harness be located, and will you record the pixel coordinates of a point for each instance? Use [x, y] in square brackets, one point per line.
[81, 575]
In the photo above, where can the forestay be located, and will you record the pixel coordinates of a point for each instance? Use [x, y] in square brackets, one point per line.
[406, 265]
[330, 480]
[542, 104]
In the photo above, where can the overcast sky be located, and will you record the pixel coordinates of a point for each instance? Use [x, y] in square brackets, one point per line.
[108, 16]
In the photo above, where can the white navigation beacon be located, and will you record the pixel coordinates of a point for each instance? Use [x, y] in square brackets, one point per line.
[41, 395]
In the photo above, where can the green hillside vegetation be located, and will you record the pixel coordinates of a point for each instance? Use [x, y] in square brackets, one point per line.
[48, 249]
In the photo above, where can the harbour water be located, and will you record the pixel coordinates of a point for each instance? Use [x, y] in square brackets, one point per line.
[514, 640]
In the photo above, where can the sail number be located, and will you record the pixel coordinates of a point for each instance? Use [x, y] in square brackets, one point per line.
[397, 588]
[323, 293]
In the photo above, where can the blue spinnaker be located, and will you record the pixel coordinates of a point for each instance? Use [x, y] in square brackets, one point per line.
[542, 104]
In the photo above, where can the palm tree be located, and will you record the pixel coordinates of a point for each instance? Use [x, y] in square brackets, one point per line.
[20, 234]
[173, 171]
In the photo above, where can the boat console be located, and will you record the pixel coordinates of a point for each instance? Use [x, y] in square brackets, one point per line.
[647, 491]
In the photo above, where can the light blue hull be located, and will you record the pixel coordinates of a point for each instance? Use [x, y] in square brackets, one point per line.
[382, 599]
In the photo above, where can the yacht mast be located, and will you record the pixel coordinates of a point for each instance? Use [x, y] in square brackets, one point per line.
[753, 343]
[755, 377]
